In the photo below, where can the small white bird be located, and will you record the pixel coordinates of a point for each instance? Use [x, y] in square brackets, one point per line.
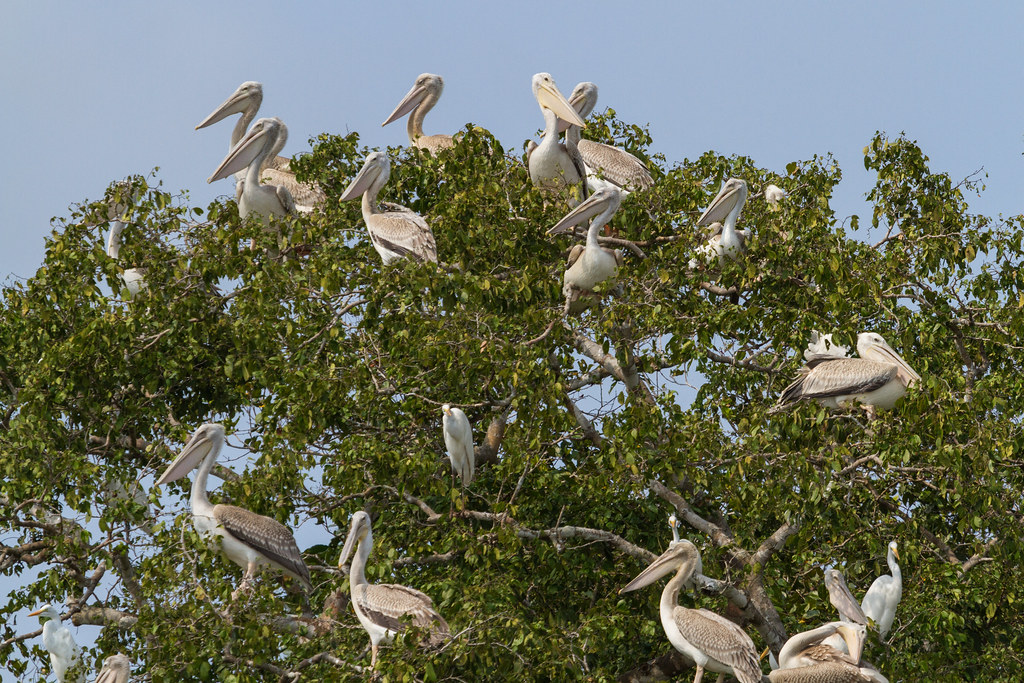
[458, 439]
[773, 194]
[116, 669]
[884, 595]
[64, 652]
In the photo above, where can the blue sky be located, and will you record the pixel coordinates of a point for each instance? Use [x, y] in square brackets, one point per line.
[90, 93]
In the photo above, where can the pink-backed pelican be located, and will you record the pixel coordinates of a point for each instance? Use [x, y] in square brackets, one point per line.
[250, 152]
[458, 439]
[726, 241]
[711, 641]
[116, 669]
[397, 232]
[384, 608]
[65, 655]
[805, 659]
[884, 595]
[246, 538]
[877, 379]
[551, 165]
[419, 100]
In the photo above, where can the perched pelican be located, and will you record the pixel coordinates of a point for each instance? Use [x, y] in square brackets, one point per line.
[276, 169]
[805, 659]
[551, 164]
[247, 539]
[133, 278]
[878, 378]
[842, 599]
[726, 241]
[773, 194]
[395, 233]
[589, 264]
[64, 651]
[884, 595]
[711, 641]
[383, 608]
[606, 164]
[116, 669]
[458, 439]
[251, 151]
[419, 100]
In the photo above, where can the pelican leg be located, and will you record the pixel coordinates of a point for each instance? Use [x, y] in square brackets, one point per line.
[250, 573]
[699, 675]
[373, 656]
[721, 678]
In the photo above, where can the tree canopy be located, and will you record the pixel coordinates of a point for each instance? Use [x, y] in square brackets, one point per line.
[331, 370]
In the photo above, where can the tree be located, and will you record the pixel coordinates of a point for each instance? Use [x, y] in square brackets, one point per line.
[332, 369]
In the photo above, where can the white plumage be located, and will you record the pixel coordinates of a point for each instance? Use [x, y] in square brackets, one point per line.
[884, 595]
[116, 669]
[458, 439]
[65, 655]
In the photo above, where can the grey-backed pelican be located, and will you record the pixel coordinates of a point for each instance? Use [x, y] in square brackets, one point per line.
[458, 439]
[116, 669]
[246, 538]
[805, 659]
[65, 655]
[878, 378]
[726, 242]
[384, 608]
[397, 232]
[250, 152]
[551, 164]
[884, 595]
[711, 641]
[589, 264]
[419, 100]
[842, 599]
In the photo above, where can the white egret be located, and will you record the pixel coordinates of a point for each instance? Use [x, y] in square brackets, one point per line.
[65, 655]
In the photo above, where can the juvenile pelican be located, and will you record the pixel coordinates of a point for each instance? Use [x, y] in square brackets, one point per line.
[726, 241]
[878, 378]
[551, 165]
[419, 100]
[116, 669]
[246, 538]
[398, 232]
[884, 595]
[254, 147]
[805, 659]
[458, 439]
[64, 652]
[842, 599]
[383, 608]
[589, 264]
[711, 641]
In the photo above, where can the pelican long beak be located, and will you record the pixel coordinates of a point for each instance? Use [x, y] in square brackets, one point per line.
[578, 101]
[681, 556]
[236, 104]
[724, 202]
[595, 205]
[371, 170]
[197, 448]
[885, 354]
[549, 97]
[408, 103]
[247, 149]
[854, 637]
[355, 534]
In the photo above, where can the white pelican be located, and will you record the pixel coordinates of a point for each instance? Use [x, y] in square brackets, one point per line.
[551, 165]
[384, 608]
[711, 641]
[606, 164]
[419, 100]
[726, 241]
[878, 378]
[116, 669]
[805, 659]
[884, 595]
[589, 264]
[133, 278]
[254, 147]
[398, 232]
[64, 652]
[773, 194]
[458, 439]
[246, 538]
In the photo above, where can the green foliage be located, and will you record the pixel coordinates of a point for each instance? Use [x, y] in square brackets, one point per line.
[332, 369]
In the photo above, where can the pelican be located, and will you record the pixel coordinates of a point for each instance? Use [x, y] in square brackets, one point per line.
[251, 151]
[384, 608]
[398, 232]
[116, 669]
[133, 278]
[604, 163]
[877, 379]
[419, 100]
[805, 659]
[884, 594]
[551, 164]
[247, 539]
[64, 652]
[842, 599]
[589, 264]
[726, 241]
[458, 439]
[773, 194]
[276, 169]
[711, 641]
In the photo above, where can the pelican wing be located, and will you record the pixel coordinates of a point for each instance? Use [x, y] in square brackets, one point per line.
[574, 254]
[435, 143]
[269, 537]
[386, 604]
[830, 377]
[116, 669]
[720, 638]
[403, 233]
[305, 196]
[616, 165]
[820, 673]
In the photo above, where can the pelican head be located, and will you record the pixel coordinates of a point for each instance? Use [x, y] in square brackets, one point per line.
[248, 95]
[603, 203]
[357, 533]
[375, 171]
[263, 135]
[583, 99]
[209, 436]
[682, 557]
[46, 613]
[727, 203]
[549, 97]
[426, 86]
[870, 345]
[854, 635]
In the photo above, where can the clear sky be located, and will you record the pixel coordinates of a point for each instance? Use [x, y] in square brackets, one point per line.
[92, 92]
